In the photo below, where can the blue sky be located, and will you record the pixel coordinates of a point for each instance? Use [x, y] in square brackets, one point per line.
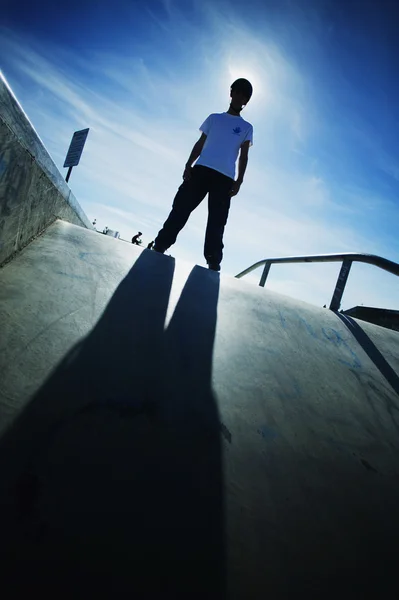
[323, 174]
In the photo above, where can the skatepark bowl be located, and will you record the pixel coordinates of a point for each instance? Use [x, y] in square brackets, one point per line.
[167, 431]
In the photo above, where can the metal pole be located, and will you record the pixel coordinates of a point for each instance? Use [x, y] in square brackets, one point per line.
[340, 286]
[68, 174]
[265, 273]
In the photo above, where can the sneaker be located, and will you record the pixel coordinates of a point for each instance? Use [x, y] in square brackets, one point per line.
[213, 266]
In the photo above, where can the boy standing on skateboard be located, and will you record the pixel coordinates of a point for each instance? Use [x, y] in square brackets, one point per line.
[224, 136]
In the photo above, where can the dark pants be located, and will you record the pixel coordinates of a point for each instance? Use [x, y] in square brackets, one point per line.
[190, 194]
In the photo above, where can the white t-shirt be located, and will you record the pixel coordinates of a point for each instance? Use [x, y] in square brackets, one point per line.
[225, 134]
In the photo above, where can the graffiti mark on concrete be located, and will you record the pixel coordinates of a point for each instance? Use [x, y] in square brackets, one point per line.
[267, 433]
[334, 336]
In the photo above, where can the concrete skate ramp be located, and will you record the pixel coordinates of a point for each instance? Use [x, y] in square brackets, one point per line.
[170, 432]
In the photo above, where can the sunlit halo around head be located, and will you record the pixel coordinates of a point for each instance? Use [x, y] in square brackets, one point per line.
[238, 71]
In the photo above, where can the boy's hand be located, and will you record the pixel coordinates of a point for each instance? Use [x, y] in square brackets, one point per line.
[187, 173]
[235, 188]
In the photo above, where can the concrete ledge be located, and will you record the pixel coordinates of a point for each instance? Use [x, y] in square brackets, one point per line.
[33, 193]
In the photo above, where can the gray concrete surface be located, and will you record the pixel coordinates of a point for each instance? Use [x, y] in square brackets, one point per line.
[168, 431]
[33, 193]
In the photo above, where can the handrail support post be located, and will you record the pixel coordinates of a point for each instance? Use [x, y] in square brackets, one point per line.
[265, 273]
[340, 285]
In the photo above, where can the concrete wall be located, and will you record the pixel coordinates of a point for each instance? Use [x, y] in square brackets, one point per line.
[380, 316]
[33, 193]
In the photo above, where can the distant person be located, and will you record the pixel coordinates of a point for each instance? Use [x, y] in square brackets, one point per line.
[150, 245]
[94, 223]
[224, 136]
[105, 230]
[136, 239]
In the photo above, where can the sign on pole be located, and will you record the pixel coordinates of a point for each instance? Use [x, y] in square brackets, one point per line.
[76, 148]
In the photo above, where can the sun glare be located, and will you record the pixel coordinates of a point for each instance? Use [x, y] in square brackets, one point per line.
[238, 71]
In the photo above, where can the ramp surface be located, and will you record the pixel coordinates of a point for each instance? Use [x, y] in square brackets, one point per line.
[166, 430]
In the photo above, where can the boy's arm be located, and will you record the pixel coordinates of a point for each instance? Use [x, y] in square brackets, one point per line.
[242, 165]
[196, 151]
[243, 161]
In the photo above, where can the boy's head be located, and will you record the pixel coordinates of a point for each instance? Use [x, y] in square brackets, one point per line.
[240, 93]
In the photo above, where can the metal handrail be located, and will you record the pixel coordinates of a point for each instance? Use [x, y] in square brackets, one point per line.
[346, 257]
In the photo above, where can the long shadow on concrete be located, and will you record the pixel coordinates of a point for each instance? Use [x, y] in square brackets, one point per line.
[371, 350]
[112, 476]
